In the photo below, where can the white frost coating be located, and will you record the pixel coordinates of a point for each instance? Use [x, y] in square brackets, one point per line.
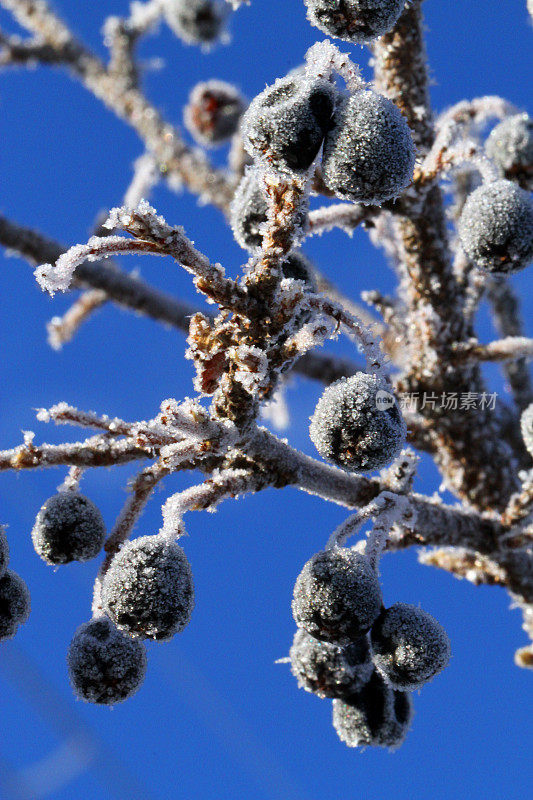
[526, 426]
[14, 603]
[57, 278]
[324, 58]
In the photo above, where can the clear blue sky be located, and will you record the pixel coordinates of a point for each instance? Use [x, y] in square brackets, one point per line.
[216, 717]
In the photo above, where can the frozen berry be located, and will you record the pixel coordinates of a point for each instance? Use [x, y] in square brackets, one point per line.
[369, 153]
[357, 424]
[328, 670]
[105, 666]
[69, 527]
[337, 595]
[148, 590]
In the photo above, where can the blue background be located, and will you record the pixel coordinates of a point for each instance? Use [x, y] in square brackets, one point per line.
[216, 718]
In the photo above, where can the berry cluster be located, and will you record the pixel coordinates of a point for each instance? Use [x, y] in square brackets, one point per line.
[147, 593]
[14, 594]
[365, 657]
[357, 424]
[368, 151]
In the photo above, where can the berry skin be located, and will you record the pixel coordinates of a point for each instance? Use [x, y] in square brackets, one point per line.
[213, 112]
[377, 715]
[496, 227]
[328, 670]
[4, 551]
[69, 527]
[357, 21]
[369, 153]
[510, 146]
[148, 590]
[337, 596]
[105, 666]
[410, 646]
[285, 124]
[14, 603]
[349, 429]
[248, 212]
[526, 426]
[195, 21]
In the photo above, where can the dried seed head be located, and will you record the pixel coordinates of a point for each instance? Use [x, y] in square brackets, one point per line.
[357, 424]
[526, 425]
[195, 21]
[285, 124]
[337, 596]
[213, 112]
[496, 227]
[14, 603]
[4, 551]
[378, 716]
[357, 21]
[510, 145]
[69, 527]
[248, 212]
[369, 153]
[105, 666]
[410, 646]
[148, 590]
[328, 670]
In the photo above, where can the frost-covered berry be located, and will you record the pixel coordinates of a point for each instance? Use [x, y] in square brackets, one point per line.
[4, 551]
[496, 227]
[195, 21]
[378, 716]
[248, 212]
[337, 596]
[369, 153]
[148, 590]
[526, 425]
[104, 665]
[510, 145]
[285, 124]
[357, 21]
[328, 670]
[297, 266]
[357, 424]
[213, 112]
[69, 527]
[14, 603]
[410, 646]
